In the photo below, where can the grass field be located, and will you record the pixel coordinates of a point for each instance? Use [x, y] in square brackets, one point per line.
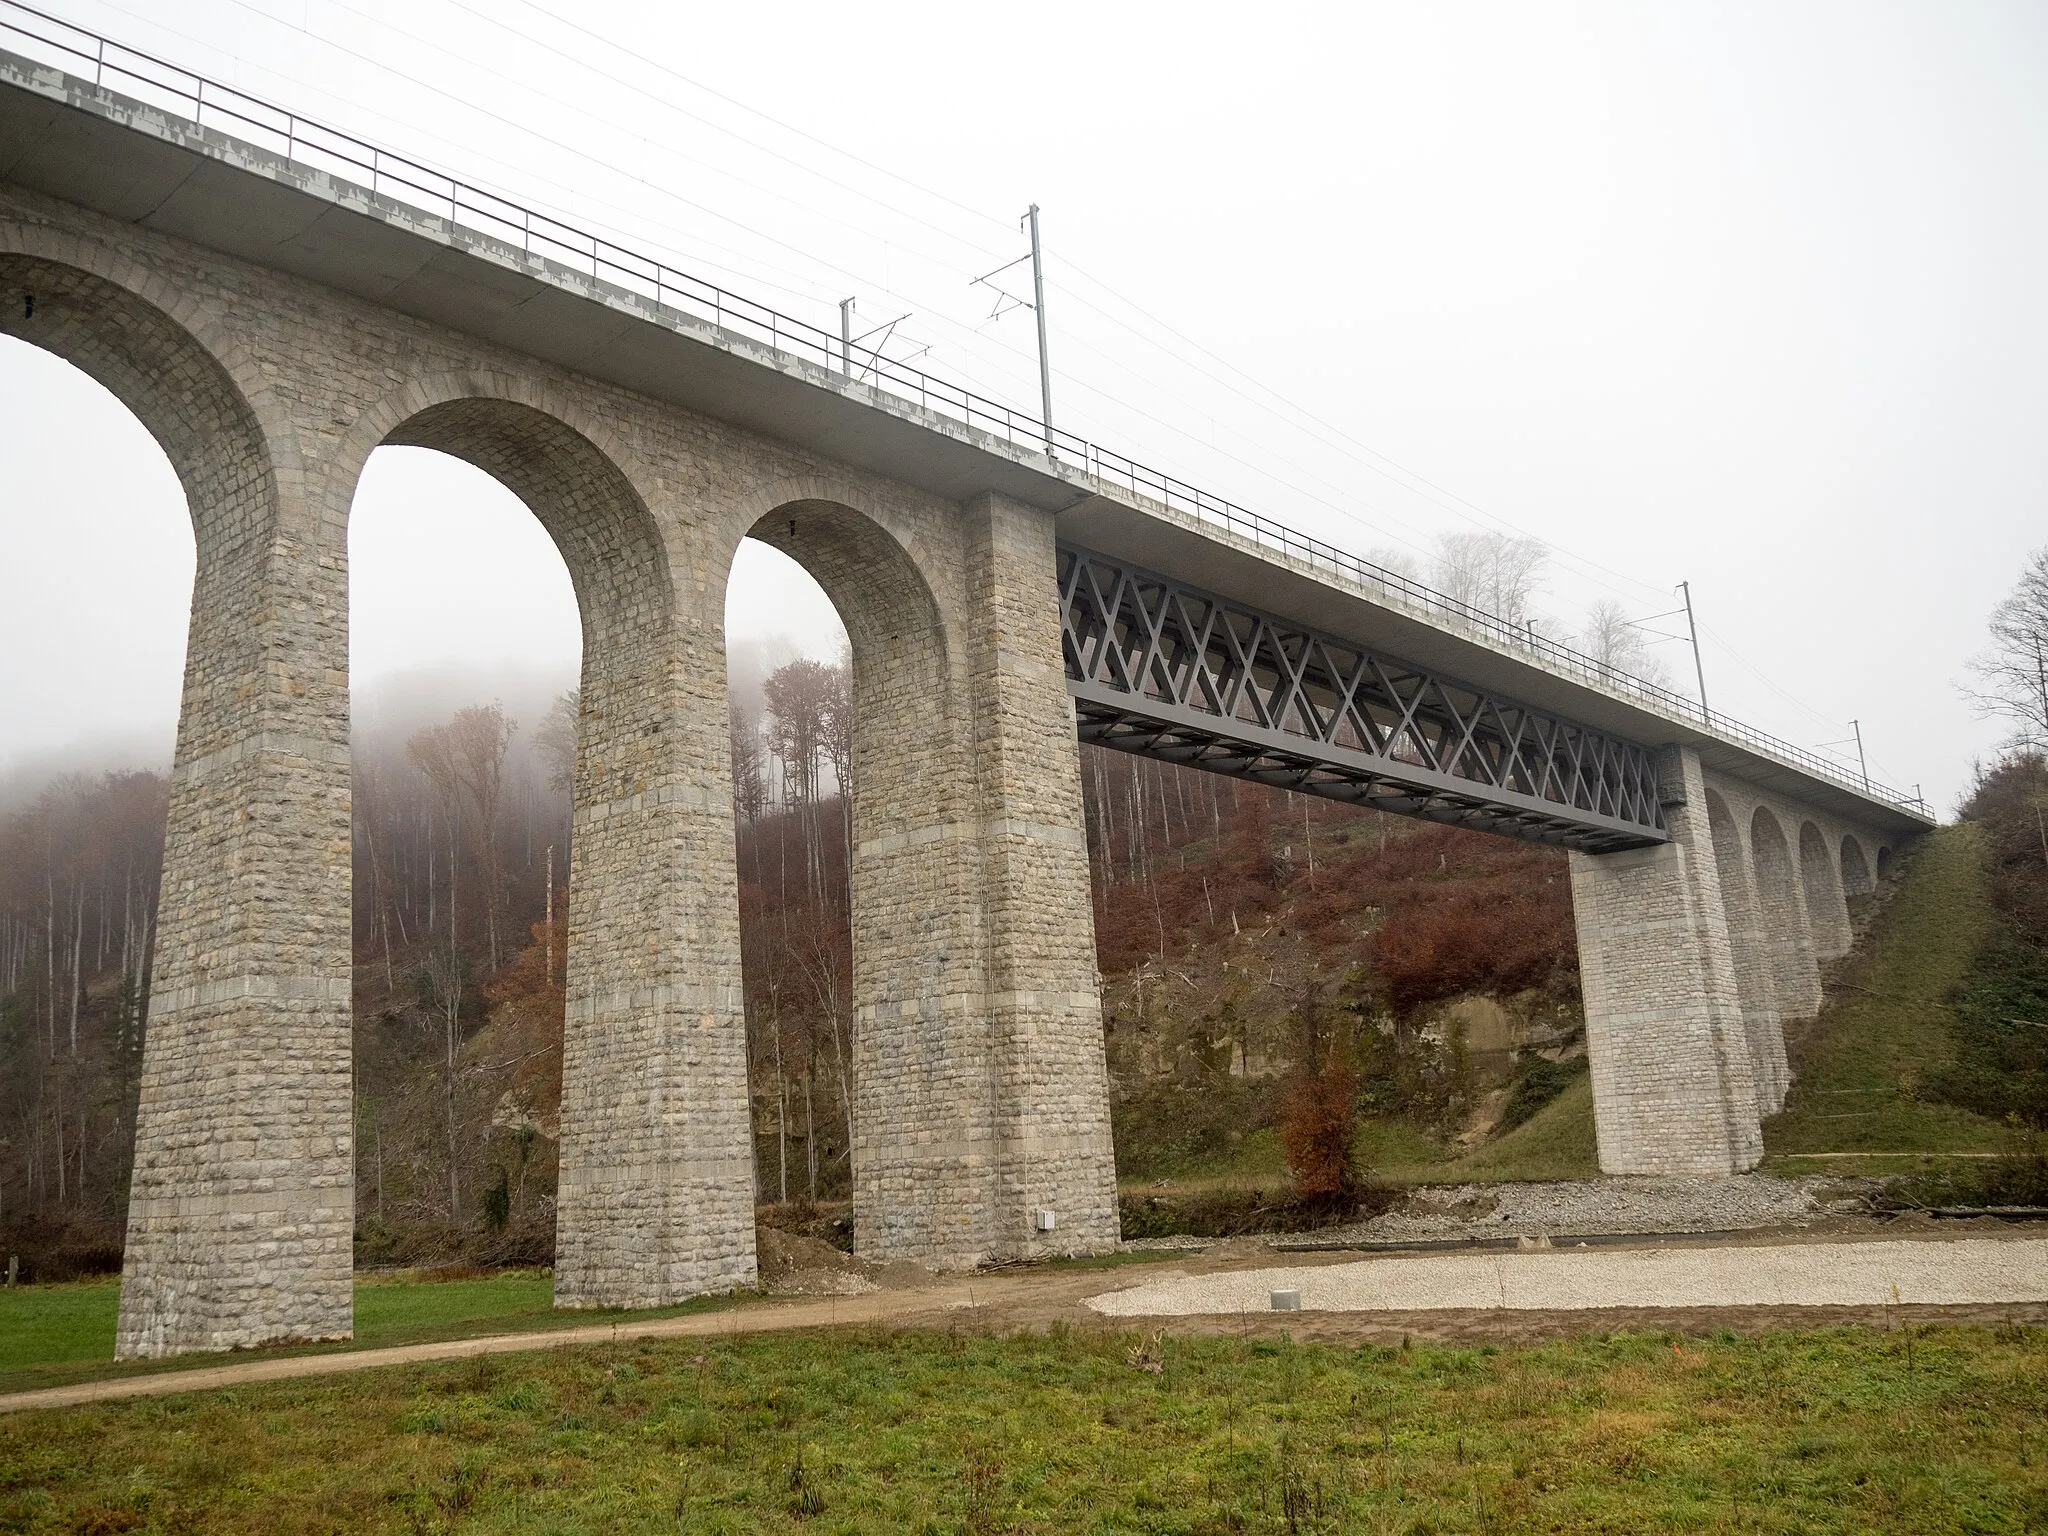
[1554, 1143]
[1886, 1028]
[51, 1334]
[1854, 1431]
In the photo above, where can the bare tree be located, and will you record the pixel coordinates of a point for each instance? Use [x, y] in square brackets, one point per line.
[434, 755]
[799, 701]
[800, 706]
[749, 772]
[1615, 640]
[479, 738]
[1398, 562]
[441, 980]
[1492, 572]
[555, 739]
[838, 723]
[2012, 672]
[466, 758]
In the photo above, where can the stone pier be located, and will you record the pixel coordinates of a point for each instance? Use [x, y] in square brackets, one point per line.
[273, 324]
[1693, 956]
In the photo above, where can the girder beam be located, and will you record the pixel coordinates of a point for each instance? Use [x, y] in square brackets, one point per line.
[1166, 670]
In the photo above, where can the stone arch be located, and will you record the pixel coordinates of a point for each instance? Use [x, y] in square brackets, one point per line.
[1795, 974]
[170, 365]
[1826, 909]
[1750, 947]
[241, 1194]
[1884, 864]
[167, 357]
[1858, 883]
[594, 511]
[1856, 876]
[981, 1088]
[655, 1193]
[921, 1071]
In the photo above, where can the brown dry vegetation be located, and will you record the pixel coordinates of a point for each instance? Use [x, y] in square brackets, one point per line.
[1230, 918]
[1240, 923]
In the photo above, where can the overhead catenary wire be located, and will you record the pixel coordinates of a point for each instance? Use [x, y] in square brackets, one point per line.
[1361, 453]
[1205, 440]
[583, 194]
[1347, 444]
[1420, 486]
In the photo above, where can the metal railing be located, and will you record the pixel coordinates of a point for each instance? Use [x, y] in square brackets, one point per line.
[303, 142]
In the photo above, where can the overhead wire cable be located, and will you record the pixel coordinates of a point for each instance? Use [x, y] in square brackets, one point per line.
[605, 122]
[1470, 508]
[1467, 507]
[767, 117]
[584, 194]
[1351, 446]
[718, 127]
[1456, 504]
[1324, 501]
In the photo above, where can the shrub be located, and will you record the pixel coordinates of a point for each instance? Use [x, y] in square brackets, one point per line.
[1168, 1127]
[1471, 937]
[1241, 1212]
[2000, 1067]
[1316, 1125]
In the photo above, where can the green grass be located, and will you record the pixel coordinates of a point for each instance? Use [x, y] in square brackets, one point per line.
[54, 1334]
[51, 1324]
[1386, 1148]
[395, 1310]
[1839, 1431]
[1255, 1161]
[1886, 1029]
[1554, 1143]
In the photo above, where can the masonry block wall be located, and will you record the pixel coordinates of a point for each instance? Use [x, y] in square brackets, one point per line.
[1673, 1085]
[241, 1196]
[1053, 1149]
[1693, 956]
[979, 1074]
[980, 1086]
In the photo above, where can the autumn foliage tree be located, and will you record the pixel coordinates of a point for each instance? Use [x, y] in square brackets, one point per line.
[462, 840]
[1318, 1112]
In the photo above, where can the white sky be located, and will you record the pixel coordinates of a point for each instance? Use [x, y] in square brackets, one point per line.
[1749, 296]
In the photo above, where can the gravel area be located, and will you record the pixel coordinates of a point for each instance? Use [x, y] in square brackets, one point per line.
[1606, 1205]
[1585, 1207]
[1966, 1271]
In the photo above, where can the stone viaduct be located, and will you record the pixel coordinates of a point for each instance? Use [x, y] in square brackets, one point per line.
[273, 319]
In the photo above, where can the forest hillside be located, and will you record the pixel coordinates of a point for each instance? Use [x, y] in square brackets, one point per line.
[1241, 930]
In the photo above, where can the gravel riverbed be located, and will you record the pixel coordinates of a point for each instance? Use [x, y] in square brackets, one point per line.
[1585, 1207]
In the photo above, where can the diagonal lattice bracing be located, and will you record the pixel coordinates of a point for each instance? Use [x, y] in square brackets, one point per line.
[1170, 671]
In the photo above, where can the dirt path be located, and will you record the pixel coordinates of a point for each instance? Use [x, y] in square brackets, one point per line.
[1012, 1301]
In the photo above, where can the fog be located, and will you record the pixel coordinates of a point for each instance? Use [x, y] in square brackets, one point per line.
[457, 594]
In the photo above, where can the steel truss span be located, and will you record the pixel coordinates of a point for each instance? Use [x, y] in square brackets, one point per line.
[1166, 670]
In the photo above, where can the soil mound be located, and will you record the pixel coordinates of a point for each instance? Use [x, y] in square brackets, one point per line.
[794, 1265]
